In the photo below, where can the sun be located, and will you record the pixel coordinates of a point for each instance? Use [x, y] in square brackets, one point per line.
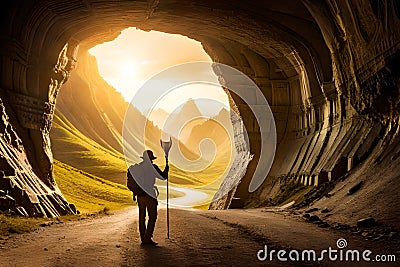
[128, 70]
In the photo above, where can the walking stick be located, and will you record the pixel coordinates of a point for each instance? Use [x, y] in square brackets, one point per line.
[167, 146]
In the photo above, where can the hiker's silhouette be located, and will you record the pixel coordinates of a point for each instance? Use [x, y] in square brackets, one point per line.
[145, 174]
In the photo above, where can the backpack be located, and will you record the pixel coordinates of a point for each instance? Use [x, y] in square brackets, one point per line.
[133, 185]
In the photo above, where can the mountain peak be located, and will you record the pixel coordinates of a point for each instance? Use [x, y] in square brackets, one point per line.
[178, 119]
[157, 116]
[190, 108]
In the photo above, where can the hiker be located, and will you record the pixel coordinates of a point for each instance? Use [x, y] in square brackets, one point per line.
[145, 174]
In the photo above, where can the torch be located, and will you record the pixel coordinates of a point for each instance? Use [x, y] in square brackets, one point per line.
[166, 147]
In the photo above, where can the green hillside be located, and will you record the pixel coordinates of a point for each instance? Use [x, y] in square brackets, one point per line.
[70, 146]
[90, 193]
[75, 149]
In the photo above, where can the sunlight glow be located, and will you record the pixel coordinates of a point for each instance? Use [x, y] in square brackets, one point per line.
[187, 104]
[128, 71]
[135, 56]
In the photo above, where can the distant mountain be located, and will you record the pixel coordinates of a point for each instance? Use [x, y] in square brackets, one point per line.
[177, 122]
[218, 129]
[189, 125]
[189, 116]
[224, 117]
[158, 116]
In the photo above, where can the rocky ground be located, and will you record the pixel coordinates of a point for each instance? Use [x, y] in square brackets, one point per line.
[197, 238]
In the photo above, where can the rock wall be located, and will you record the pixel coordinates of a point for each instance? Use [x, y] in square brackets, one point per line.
[323, 135]
[21, 190]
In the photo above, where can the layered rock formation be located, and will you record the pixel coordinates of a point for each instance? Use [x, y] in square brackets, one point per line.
[21, 190]
[327, 68]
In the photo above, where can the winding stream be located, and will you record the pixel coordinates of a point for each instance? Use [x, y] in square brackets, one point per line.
[191, 198]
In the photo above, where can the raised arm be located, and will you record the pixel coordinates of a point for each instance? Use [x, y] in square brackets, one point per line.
[163, 175]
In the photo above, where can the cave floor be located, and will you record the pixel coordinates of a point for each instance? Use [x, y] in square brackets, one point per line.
[197, 238]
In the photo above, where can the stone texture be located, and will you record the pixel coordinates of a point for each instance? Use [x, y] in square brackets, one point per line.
[22, 192]
[366, 222]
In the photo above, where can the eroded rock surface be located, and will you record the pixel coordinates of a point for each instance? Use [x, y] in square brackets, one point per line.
[22, 192]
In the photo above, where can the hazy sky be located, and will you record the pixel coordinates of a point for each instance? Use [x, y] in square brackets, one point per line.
[135, 56]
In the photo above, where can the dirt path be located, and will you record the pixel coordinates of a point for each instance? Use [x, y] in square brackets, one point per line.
[198, 238]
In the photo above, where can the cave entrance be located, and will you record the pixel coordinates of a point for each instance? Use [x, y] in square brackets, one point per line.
[196, 116]
[281, 49]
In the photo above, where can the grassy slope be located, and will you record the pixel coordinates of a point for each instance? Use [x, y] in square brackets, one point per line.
[18, 224]
[72, 147]
[88, 192]
[92, 194]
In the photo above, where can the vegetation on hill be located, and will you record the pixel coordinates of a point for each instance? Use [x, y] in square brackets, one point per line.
[72, 147]
[88, 192]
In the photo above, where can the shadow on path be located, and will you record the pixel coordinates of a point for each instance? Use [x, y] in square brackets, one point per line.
[195, 240]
